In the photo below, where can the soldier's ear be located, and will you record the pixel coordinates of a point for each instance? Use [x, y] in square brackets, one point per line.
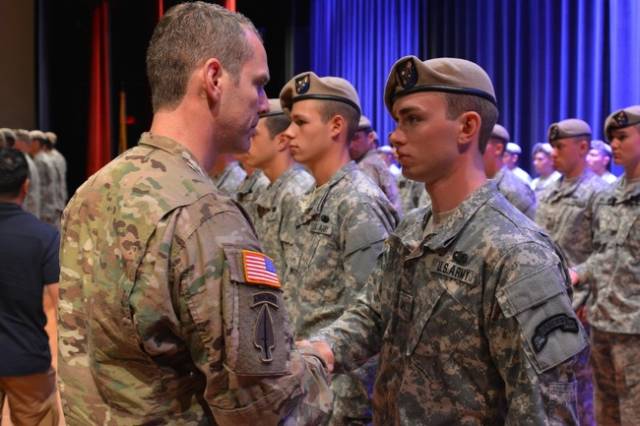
[212, 76]
[282, 142]
[469, 127]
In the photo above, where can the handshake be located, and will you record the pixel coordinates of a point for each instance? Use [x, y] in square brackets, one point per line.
[319, 349]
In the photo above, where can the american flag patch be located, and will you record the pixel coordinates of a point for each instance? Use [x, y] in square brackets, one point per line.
[259, 269]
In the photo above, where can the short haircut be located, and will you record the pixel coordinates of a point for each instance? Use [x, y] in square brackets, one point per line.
[22, 135]
[13, 171]
[541, 147]
[186, 36]
[9, 137]
[277, 124]
[329, 109]
[458, 104]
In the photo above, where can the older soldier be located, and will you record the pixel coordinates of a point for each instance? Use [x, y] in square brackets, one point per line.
[49, 180]
[468, 305]
[363, 150]
[61, 165]
[599, 161]
[251, 187]
[32, 203]
[543, 165]
[276, 206]
[613, 272]
[514, 189]
[171, 313]
[342, 225]
[227, 174]
[566, 213]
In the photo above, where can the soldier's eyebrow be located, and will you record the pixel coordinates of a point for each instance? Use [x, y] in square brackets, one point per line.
[407, 110]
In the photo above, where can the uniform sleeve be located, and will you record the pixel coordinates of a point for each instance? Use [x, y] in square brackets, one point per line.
[357, 335]
[237, 332]
[534, 337]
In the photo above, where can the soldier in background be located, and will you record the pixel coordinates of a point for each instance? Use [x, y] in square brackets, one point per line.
[170, 312]
[49, 179]
[599, 161]
[32, 203]
[512, 153]
[251, 187]
[473, 321]
[61, 166]
[566, 212]
[514, 189]
[543, 165]
[613, 272]
[276, 206]
[363, 150]
[227, 174]
[341, 227]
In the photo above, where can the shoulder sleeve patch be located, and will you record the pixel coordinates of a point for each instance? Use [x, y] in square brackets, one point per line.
[258, 268]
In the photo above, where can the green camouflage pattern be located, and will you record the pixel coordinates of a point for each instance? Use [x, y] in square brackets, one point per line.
[465, 319]
[157, 319]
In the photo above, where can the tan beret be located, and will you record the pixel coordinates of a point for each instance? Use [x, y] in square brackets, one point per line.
[569, 128]
[601, 146]
[22, 135]
[8, 134]
[364, 123]
[450, 75]
[309, 86]
[513, 148]
[53, 138]
[542, 146]
[274, 109]
[37, 135]
[622, 118]
[500, 133]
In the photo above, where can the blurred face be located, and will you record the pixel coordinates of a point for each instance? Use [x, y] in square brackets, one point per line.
[542, 164]
[263, 148]
[243, 100]
[510, 160]
[492, 156]
[309, 137]
[361, 143]
[566, 155]
[425, 139]
[625, 144]
[597, 161]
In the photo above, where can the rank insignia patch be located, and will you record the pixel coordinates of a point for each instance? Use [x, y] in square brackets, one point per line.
[259, 269]
[407, 74]
[302, 84]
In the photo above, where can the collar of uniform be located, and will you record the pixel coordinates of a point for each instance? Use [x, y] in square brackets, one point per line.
[172, 147]
[562, 192]
[500, 175]
[319, 195]
[226, 173]
[450, 229]
[626, 191]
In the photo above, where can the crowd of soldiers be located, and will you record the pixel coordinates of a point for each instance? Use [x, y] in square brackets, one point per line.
[264, 261]
[47, 194]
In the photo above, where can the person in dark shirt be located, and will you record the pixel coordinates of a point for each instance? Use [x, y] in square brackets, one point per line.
[29, 270]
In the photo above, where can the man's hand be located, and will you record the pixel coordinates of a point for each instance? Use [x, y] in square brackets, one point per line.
[575, 278]
[319, 348]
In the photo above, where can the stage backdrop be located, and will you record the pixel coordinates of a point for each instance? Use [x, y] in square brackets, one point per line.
[549, 59]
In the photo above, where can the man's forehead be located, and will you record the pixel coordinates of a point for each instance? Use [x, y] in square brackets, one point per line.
[418, 101]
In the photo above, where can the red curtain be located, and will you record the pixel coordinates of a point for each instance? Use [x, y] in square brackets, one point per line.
[99, 149]
[230, 4]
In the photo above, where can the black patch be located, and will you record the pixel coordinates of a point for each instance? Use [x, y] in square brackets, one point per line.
[460, 258]
[621, 119]
[553, 132]
[264, 339]
[407, 74]
[557, 322]
[302, 84]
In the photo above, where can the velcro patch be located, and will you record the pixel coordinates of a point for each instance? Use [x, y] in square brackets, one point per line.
[259, 269]
[557, 322]
[451, 270]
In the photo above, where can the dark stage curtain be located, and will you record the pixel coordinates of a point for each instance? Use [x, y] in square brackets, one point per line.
[549, 59]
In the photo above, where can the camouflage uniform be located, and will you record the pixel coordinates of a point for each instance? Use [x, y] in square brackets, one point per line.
[61, 166]
[49, 203]
[32, 200]
[412, 193]
[160, 322]
[516, 192]
[249, 191]
[566, 213]
[471, 329]
[276, 207]
[375, 167]
[613, 310]
[230, 179]
[336, 239]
